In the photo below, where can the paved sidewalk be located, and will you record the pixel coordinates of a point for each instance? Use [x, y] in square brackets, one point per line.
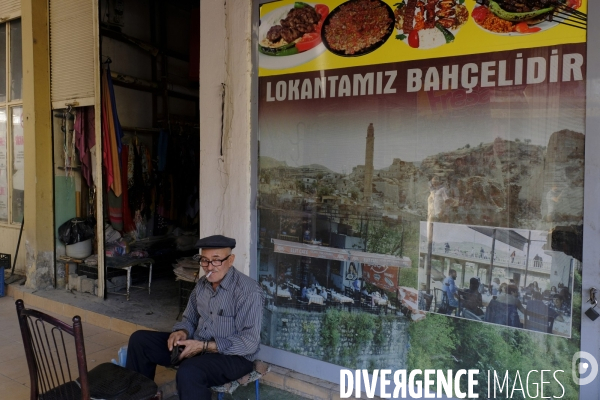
[101, 345]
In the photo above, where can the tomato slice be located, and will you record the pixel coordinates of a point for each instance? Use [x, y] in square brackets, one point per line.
[522, 27]
[574, 3]
[534, 29]
[308, 41]
[322, 10]
[413, 39]
[479, 14]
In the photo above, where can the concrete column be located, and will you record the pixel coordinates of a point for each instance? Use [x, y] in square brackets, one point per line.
[39, 214]
[227, 148]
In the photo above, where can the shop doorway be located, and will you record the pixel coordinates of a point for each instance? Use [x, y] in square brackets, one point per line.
[149, 149]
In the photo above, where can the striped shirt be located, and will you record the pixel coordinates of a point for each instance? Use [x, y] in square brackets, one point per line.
[231, 315]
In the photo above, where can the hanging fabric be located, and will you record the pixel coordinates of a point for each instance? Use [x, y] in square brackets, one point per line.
[67, 128]
[112, 135]
[115, 211]
[85, 139]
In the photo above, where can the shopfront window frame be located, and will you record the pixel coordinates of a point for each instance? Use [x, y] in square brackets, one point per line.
[590, 340]
[8, 105]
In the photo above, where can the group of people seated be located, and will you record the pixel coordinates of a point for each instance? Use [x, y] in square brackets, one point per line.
[313, 290]
[542, 308]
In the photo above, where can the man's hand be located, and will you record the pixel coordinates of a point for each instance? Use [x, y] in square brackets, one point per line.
[176, 337]
[194, 347]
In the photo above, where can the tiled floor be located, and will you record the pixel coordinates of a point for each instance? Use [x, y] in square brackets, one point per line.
[101, 345]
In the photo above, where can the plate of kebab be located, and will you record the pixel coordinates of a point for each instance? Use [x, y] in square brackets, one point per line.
[519, 17]
[427, 24]
[291, 35]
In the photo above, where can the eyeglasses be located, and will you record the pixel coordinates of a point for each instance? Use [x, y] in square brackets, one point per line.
[216, 263]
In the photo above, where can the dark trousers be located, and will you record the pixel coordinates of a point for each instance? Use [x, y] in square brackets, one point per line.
[195, 375]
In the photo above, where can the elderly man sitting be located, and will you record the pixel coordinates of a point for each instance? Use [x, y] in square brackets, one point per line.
[220, 331]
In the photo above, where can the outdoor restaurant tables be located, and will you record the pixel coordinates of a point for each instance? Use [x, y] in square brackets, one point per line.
[284, 293]
[315, 299]
[379, 301]
[340, 298]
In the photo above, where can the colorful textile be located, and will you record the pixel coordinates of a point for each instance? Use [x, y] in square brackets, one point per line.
[115, 210]
[85, 139]
[117, 124]
[112, 134]
[107, 163]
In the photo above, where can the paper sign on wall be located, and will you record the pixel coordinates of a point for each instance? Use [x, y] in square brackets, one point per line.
[18, 139]
[3, 196]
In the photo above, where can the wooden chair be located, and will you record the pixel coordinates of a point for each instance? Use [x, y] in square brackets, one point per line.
[538, 318]
[539, 322]
[438, 296]
[503, 314]
[46, 338]
[425, 301]
[348, 292]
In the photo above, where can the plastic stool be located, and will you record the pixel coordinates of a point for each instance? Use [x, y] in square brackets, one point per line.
[260, 370]
[221, 395]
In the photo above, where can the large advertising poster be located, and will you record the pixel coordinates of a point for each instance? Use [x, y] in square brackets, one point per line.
[421, 183]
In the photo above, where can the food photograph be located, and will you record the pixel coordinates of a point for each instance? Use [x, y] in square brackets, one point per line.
[297, 36]
[358, 27]
[523, 17]
[291, 35]
[427, 24]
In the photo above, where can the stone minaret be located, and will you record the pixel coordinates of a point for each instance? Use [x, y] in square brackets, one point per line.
[368, 189]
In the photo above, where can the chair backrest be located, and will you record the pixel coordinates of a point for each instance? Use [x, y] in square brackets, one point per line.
[428, 299]
[46, 339]
[348, 291]
[438, 297]
[537, 317]
[502, 313]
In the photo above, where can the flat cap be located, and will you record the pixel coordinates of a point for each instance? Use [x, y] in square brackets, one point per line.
[216, 242]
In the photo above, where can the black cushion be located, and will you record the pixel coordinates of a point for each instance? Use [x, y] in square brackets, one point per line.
[68, 391]
[112, 382]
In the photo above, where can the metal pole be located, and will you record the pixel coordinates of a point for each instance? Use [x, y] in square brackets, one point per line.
[527, 259]
[492, 256]
[429, 253]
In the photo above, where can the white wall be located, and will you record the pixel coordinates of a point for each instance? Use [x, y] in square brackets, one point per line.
[226, 201]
